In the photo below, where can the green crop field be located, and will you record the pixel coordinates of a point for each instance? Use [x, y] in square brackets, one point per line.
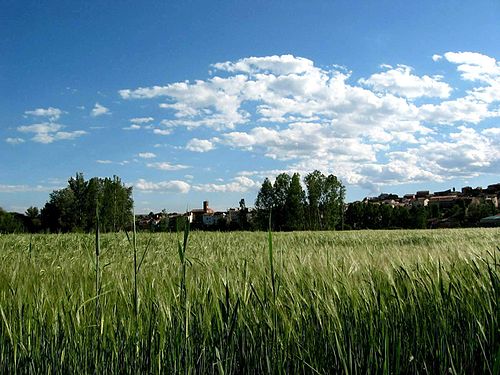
[361, 302]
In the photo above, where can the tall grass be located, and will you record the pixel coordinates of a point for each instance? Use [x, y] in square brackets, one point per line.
[350, 302]
[97, 290]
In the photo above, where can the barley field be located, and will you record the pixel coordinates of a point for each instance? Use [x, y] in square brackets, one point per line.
[360, 302]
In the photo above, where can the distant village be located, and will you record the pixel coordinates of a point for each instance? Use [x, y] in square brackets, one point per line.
[240, 217]
[205, 217]
[450, 208]
[445, 199]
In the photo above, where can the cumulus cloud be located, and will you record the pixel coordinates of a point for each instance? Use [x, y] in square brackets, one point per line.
[99, 110]
[301, 140]
[14, 141]
[465, 152]
[285, 64]
[132, 127]
[466, 109]
[373, 131]
[462, 154]
[146, 155]
[141, 120]
[174, 186]
[162, 131]
[240, 184]
[51, 113]
[475, 66]
[4, 188]
[46, 127]
[165, 166]
[400, 81]
[199, 145]
[492, 132]
[49, 132]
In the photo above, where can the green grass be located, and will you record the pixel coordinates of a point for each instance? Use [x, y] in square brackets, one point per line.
[361, 302]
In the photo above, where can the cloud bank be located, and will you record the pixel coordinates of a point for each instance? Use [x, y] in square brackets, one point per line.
[394, 126]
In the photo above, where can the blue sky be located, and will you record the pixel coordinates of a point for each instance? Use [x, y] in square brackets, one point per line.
[197, 100]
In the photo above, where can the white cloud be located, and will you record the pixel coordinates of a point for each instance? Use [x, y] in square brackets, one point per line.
[285, 64]
[493, 132]
[51, 113]
[461, 154]
[475, 66]
[59, 136]
[99, 110]
[104, 161]
[400, 81]
[286, 108]
[162, 131]
[141, 120]
[24, 188]
[287, 89]
[199, 145]
[49, 132]
[165, 166]
[174, 186]
[239, 184]
[132, 127]
[146, 155]
[301, 140]
[213, 103]
[466, 109]
[45, 127]
[14, 141]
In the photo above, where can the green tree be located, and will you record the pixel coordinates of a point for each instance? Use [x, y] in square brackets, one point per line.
[386, 219]
[79, 188]
[401, 217]
[314, 182]
[332, 203]
[434, 211]
[326, 196]
[58, 215]
[116, 205]
[9, 223]
[418, 216]
[294, 207]
[243, 216]
[264, 204]
[475, 212]
[93, 196]
[75, 207]
[33, 219]
[354, 215]
[281, 188]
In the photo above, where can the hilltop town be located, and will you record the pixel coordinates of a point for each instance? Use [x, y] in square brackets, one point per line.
[445, 199]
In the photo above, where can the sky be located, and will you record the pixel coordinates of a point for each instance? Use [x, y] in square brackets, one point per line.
[189, 101]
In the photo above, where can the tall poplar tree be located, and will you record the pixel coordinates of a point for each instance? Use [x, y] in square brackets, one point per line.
[264, 204]
[325, 206]
[281, 188]
[295, 200]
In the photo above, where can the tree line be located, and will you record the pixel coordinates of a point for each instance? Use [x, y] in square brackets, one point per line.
[76, 207]
[362, 215]
[283, 204]
[287, 206]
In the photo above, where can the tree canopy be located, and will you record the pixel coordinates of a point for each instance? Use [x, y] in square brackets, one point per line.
[74, 207]
[292, 208]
